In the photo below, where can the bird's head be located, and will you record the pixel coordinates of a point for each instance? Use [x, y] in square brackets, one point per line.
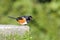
[30, 17]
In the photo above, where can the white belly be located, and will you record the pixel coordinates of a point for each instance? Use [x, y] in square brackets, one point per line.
[24, 23]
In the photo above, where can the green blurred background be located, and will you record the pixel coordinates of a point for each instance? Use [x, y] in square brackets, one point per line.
[45, 24]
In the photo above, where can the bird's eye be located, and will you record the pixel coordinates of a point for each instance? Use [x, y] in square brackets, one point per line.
[30, 16]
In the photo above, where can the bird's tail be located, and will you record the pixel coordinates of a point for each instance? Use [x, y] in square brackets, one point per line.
[12, 17]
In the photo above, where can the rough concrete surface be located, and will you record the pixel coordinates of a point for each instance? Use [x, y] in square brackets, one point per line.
[13, 29]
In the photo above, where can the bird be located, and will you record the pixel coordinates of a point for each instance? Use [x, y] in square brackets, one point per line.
[22, 20]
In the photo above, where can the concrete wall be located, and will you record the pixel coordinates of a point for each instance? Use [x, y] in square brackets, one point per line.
[13, 29]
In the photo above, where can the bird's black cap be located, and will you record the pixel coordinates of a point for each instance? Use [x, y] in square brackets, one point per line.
[30, 17]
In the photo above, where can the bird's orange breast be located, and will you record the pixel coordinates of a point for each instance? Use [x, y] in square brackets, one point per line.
[22, 21]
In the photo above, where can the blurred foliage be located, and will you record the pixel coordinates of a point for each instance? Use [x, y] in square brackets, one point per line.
[45, 24]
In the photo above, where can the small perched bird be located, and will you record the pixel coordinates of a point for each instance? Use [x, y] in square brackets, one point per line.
[23, 20]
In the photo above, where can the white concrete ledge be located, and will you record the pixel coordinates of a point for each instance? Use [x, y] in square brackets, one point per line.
[13, 29]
